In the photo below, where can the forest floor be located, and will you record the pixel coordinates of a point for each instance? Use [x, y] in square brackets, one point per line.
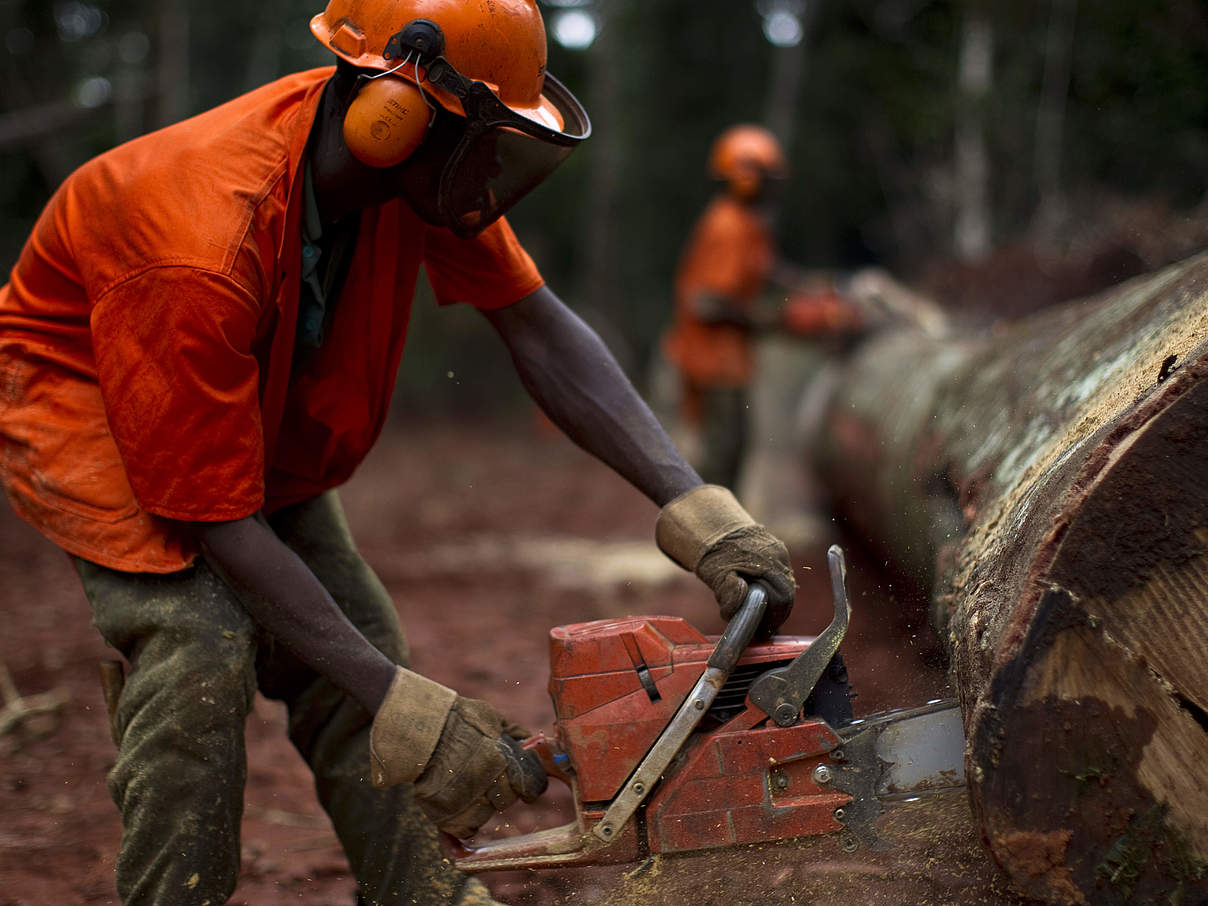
[486, 537]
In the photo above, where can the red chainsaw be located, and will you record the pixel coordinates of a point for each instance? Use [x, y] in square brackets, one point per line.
[672, 741]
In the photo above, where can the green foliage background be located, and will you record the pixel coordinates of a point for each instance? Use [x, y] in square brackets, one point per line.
[871, 141]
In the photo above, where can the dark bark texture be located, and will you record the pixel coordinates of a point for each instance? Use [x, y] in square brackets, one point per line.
[1048, 479]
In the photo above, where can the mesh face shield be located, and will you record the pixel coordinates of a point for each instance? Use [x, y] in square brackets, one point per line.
[484, 163]
[502, 156]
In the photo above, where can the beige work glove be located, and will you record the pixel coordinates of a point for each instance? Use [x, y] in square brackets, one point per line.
[464, 759]
[707, 531]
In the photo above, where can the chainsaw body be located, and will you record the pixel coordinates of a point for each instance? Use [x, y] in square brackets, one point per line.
[664, 751]
[615, 685]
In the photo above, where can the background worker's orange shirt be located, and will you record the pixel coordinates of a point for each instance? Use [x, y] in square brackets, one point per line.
[147, 334]
[730, 253]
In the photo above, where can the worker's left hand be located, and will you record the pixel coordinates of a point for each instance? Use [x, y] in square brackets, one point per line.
[466, 762]
[478, 769]
[706, 530]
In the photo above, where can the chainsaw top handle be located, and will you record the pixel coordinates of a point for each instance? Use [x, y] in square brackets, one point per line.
[741, 628]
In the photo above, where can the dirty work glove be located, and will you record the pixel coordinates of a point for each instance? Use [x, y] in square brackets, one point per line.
[707, 531]
[457, 751]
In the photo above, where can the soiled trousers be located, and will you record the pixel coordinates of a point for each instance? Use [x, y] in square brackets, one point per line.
[196, 659]
[724, 419]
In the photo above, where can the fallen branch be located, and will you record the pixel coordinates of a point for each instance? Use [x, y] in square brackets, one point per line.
[22, 710]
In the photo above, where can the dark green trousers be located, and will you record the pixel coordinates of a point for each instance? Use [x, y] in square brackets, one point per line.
[724, 416]
[196, 659]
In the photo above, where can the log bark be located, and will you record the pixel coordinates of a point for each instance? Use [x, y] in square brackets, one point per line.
[1049, 480]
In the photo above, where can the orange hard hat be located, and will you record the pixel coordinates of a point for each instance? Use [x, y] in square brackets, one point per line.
[743, 147]
[499, 42]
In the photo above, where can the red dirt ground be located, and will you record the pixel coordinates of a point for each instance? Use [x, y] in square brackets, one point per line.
[486, 537]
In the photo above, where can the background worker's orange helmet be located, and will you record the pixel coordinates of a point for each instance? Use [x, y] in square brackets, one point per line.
[499, 42]
[747, 154]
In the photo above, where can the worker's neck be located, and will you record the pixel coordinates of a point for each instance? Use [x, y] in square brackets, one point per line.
[343, 185]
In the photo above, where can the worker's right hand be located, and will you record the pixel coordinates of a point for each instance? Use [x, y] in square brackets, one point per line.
[707, 531]
[458, 752]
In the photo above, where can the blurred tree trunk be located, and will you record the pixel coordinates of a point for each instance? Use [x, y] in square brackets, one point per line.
[1049, 476]
[1050, 118]
[34, 121]
[601, 287]
[784, 84]
[173, 69]
[130, 83]
[772, 483]
[975, 70]
[264, 54]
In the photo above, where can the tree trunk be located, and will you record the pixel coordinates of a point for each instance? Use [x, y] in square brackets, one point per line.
[788, 65]
[174, 91]
[1048, 480]
[600, 286]
[1050, 120]
[972, 160]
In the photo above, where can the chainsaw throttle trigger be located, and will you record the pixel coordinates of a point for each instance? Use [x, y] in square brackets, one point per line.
[780, 693]
[730, 646]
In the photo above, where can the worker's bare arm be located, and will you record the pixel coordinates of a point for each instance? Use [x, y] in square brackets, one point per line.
[570, 373]
[284, 597]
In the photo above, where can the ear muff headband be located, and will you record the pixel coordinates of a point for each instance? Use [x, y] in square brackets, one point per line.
[386, 121]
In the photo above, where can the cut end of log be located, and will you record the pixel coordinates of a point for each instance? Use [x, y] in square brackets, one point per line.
[1097, 733]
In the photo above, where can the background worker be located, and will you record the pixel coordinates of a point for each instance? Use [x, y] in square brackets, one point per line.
[740, 307]
[198, 345]
[725, 270]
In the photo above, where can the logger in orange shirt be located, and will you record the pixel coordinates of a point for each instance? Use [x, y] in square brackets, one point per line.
[198, 345]
[728, 270]
[724, 270]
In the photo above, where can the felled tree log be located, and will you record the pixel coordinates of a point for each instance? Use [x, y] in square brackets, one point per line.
[1049, 480]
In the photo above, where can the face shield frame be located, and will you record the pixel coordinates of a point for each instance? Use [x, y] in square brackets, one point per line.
[501, 155]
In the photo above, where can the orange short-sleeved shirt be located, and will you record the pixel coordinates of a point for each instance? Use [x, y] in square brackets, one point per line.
[730, 253]
[147, 367]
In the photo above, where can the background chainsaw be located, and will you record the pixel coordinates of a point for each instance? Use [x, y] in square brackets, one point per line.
[672, 741]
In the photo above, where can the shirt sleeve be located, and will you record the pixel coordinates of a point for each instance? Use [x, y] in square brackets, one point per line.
[489, 271]
[180, 384]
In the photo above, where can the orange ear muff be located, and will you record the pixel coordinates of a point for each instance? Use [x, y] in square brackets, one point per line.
[386, 122]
